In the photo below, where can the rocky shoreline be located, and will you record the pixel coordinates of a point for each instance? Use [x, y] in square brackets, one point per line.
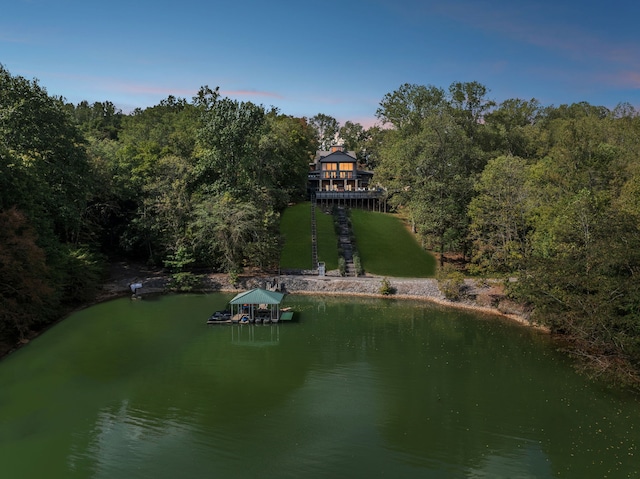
[479, 295]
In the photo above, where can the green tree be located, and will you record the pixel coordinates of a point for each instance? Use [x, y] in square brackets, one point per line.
[374, 139]
[37, 131]
[152, 142]
[166, 208]
[100, 120]
[469, 103]
[409, 105]
[512, 127]
[429, 174]
[326, 128]
[223, 228]
[581, 275]
[229, 157]
[285, 149]
[499, 216]
[354, 136]
[166, 129]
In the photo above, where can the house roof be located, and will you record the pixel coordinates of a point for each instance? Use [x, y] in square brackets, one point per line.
[338, 156]
[258, 296]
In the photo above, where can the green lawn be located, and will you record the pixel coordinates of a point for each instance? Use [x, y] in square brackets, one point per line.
[295, 227]
[387, 248]
[327, 240]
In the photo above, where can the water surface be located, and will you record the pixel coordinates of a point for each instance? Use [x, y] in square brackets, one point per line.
[355, 388]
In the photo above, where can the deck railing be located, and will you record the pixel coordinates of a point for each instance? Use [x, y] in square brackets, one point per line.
[347, 195]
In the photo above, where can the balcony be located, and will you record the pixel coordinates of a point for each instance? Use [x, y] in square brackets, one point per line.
[362, 193]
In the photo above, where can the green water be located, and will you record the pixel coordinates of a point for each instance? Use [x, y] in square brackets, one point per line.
[355, 388]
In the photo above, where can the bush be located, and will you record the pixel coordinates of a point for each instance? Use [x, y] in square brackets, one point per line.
[385, 288]
[185, 281]
[342, 266]
[82, 270]
[357, 264]
[451, 284]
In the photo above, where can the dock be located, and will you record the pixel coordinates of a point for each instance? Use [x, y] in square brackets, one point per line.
[254, 306]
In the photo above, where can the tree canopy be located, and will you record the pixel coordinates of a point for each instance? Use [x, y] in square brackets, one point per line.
[546, 196]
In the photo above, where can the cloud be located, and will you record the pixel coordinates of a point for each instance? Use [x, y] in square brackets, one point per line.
[624, 79]
[251, 93]
[104, 85]
[144, 89]
[550, 28]
[366, 121]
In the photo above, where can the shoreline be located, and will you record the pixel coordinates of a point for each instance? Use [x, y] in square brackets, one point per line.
[482, 296]
[485, 297]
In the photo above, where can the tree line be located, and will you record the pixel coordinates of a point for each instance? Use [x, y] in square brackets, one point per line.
[186, 185]
[546, 197]
[181, 185]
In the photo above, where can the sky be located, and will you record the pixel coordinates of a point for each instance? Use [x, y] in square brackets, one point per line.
[338, 58]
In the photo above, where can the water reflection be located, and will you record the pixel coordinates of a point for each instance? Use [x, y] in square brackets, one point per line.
[255, 335]
[125, 440]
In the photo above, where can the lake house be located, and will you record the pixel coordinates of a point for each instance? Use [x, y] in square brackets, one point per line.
[334, 178]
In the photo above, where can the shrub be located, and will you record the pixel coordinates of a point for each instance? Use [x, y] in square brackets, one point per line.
[82, 270]
[342, 266]
[234, 278]
[184, 281]
[357, 264]
[385, 288]
[451, 284]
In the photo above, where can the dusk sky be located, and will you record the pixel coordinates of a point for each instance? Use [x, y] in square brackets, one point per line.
[333, 57]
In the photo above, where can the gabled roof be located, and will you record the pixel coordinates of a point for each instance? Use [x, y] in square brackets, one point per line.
[338, 156]
[258, 296]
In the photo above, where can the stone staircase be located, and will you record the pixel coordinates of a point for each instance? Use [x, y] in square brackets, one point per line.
[344, 241]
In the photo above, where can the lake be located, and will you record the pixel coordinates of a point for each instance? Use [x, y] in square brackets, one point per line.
[354, 388]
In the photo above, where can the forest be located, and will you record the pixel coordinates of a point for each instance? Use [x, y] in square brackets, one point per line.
[545, 197]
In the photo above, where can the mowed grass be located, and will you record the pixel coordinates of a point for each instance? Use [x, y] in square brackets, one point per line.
[295, 227]
[327, 240]
[387, 248]
[385, 245]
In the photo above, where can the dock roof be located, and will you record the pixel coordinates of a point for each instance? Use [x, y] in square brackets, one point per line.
[258, 296]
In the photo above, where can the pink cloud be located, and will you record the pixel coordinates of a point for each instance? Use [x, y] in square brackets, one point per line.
[112, 85]
[145, 89]
[251, 93]
[366, 121]
[626, 79]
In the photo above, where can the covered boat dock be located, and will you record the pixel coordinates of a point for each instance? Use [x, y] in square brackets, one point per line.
[258, 305]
